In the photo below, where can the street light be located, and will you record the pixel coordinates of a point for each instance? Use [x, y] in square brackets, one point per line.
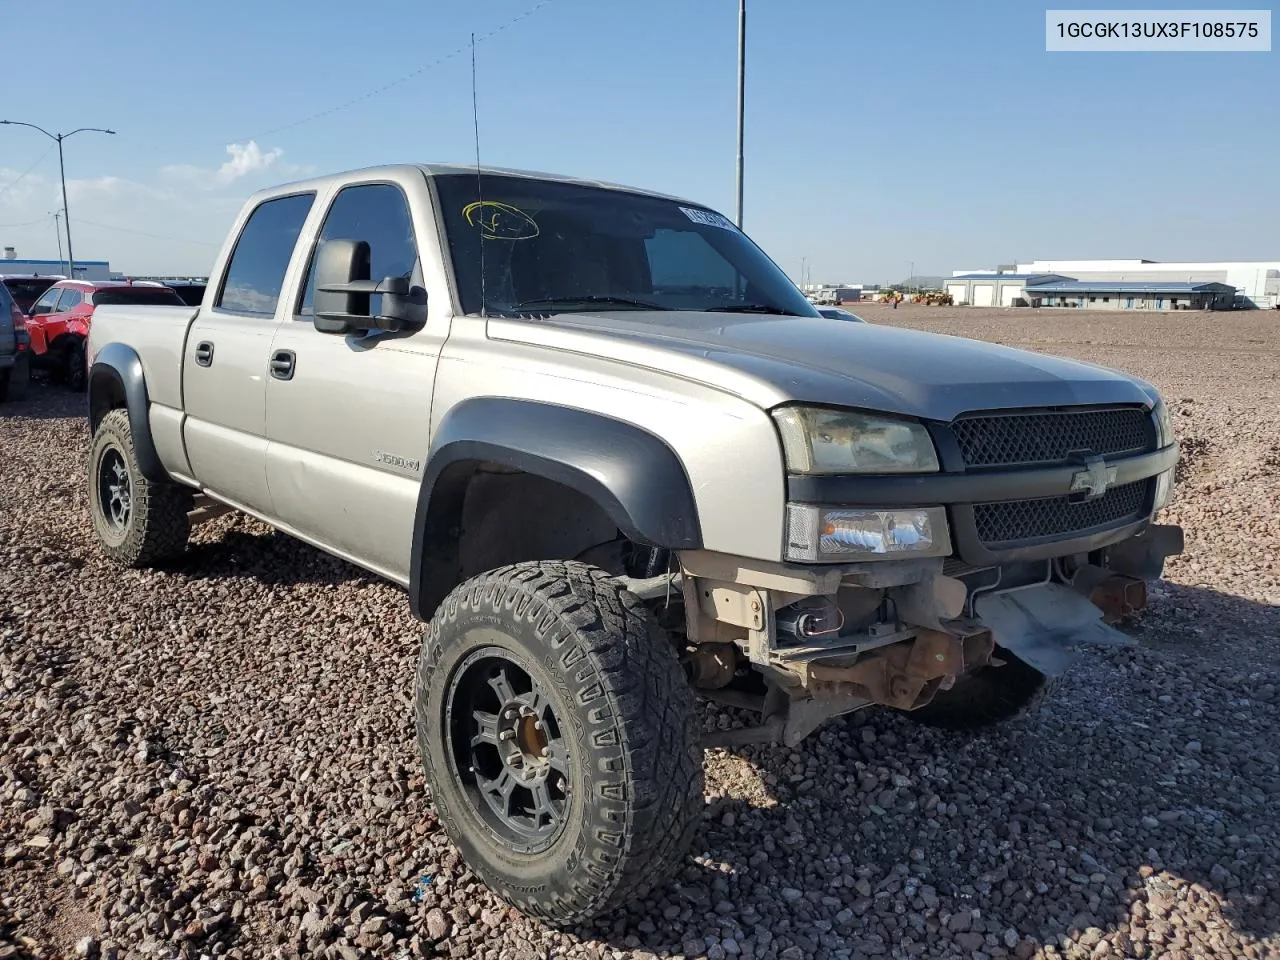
[62, 171]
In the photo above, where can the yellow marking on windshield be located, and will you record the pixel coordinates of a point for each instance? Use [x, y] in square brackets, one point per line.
[500, 221]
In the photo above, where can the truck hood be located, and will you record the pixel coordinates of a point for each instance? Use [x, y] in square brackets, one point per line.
[772, 359]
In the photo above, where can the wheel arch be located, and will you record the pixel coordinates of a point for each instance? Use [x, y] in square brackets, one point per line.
[631, 475]
[116, 379]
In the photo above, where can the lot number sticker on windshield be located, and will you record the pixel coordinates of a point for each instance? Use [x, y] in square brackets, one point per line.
[708, 218]
[500, 221]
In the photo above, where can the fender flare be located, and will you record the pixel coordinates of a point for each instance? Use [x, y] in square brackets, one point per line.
[632, 474]
[117, 373]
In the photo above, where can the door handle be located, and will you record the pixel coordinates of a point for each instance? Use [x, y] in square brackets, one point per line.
[204, 353]
[282, 362]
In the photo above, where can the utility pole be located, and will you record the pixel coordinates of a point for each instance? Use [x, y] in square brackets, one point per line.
[62, 172]
[742, 93]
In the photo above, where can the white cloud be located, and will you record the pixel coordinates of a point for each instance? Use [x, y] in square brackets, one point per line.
[246, 159]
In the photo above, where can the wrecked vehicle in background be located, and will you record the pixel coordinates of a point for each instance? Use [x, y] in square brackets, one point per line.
[618, 460]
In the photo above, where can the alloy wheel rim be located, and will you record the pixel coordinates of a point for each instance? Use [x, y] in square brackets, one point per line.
[508, 747]
[115, 492]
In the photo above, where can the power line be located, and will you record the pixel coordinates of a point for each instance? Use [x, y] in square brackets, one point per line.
[25, 223]
[22, 176]
[395, 83]
[154, 236]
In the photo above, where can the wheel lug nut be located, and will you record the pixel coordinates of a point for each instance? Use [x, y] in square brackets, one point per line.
[506, 735]
[537, 725]
[546, 751]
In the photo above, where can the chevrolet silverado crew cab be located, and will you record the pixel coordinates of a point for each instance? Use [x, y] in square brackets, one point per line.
[618, 461]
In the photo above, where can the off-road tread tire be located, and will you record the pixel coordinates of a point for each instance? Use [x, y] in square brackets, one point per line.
[15, 381]
[986, 698]
[640, 734]
[158, 523]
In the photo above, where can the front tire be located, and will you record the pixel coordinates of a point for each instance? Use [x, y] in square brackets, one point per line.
[985, 698]
[138, 522]
[560, 738]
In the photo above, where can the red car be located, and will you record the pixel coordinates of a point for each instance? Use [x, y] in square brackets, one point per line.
[59, 320]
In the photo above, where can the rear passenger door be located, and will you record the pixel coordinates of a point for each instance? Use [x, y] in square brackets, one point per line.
[225, 360]
[348, 424]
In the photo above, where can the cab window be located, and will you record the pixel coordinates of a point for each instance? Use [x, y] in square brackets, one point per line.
[378, 213]
[255, 273]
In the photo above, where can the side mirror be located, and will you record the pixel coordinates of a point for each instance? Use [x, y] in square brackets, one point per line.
[344, 291]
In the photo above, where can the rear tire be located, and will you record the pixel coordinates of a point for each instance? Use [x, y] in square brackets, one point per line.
[15, 381]
[986, 698]
[138, 522]
[74, 372]
[603, 807]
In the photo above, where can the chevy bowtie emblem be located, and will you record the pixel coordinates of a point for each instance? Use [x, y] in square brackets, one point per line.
[1094, 480]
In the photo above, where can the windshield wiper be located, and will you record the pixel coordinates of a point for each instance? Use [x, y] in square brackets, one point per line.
[751, 308]
[588, 301]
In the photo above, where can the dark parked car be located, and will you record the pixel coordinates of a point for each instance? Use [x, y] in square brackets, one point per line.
[26, 288]
[15, 349]
[191, 291]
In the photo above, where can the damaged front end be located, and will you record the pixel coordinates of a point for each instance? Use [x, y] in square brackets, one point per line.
[801, 644]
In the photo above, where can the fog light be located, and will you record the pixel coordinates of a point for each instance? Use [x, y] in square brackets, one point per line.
[1164, 488]
[834, 533]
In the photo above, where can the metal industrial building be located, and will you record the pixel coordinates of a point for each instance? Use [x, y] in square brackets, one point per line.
[995, 289]
[1256, 282]
[1131, 295]
[85, 269]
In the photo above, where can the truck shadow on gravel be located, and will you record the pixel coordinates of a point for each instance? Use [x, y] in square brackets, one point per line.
[266, 555]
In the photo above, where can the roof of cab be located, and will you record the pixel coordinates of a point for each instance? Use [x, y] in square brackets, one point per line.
[451, 169]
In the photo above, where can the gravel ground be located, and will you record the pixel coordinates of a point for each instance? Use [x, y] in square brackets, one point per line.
[218, 760]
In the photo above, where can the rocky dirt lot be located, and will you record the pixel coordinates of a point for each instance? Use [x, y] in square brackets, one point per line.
[218, 760]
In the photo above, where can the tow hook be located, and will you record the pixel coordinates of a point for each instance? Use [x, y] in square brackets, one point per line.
[1119, 597]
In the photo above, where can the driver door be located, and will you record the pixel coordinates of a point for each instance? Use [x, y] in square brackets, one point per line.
[348, 416]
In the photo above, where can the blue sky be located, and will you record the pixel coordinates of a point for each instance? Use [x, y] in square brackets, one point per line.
[877, 134]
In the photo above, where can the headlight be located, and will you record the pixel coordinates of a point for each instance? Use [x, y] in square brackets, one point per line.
[832, 534]
[1164, 424]
[1164, 487]
[834, 441]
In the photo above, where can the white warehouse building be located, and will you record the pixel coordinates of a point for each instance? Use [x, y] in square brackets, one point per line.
[1257, 282]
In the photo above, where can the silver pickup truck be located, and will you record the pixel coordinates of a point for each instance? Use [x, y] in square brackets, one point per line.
[618, 461]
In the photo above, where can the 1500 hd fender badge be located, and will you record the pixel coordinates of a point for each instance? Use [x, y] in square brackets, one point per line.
[395, 460]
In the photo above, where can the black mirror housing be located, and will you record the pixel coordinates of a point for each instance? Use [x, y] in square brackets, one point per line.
[344, 292]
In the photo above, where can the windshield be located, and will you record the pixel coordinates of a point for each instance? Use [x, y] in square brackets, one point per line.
[556, 247]
[125, 296]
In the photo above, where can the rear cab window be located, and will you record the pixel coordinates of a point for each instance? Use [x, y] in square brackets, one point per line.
[255, 273]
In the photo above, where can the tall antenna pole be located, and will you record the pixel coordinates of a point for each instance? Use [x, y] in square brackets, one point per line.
[742, 91]
[475, 118]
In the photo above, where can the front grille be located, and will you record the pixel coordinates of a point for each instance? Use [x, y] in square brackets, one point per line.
[1051, 436]
[1018, 520]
